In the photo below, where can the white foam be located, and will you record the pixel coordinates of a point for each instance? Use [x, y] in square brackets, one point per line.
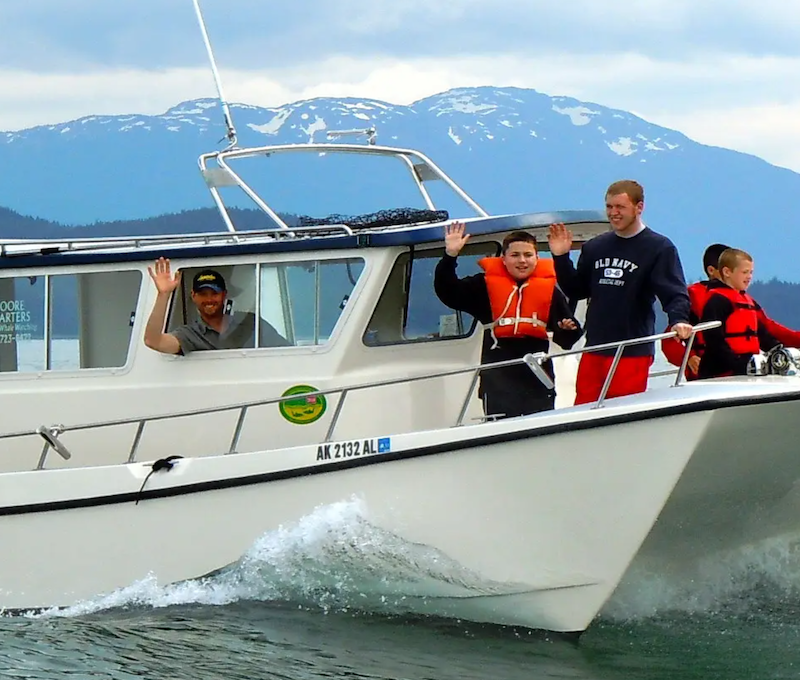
[333, 558]
[737, 580]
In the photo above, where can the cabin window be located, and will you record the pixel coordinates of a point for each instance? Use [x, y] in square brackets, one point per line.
[67, 321]
[294, 304]
[303, 301]
[408, 309]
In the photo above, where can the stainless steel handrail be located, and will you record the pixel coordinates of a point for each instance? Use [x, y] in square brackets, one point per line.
[534, 361]
[19, 247]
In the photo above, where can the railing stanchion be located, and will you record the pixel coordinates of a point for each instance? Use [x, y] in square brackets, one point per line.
[685, 360]
[136, 439]
[465, 406]
[238, 431]
[610, 376]
[335, 417]
[43, 456]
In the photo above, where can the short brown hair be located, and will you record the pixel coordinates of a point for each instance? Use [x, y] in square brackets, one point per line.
[633, 189]
[731, 257]
[516, 236]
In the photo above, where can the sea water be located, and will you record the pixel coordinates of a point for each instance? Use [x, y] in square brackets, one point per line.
[323, 598]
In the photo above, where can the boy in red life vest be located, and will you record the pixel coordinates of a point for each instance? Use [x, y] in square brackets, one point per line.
[621, 272]
[517, 299]
[728, 349]
[698, 296]
[674, 348]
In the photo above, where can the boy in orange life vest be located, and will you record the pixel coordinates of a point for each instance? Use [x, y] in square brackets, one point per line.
[698, 296]
[517, 298]
[729, 348]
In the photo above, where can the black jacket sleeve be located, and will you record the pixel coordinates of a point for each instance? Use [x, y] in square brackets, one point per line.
[574, 281]
[560, 310]
[718, 357]
[669, 286]
[465, 295]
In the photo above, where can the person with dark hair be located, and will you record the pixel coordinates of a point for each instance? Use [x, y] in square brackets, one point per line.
[621, 272]
[730, 347]
[674, 348]
[214, 329]
[517, 299]
[699, 293]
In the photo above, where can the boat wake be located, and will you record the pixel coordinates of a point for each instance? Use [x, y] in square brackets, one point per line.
[332, 559]
[763, 578]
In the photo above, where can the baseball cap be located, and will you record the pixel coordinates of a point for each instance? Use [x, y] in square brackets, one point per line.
[208, 278]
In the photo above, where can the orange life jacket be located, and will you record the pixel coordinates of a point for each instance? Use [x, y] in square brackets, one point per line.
[741, 327]
[519, 310]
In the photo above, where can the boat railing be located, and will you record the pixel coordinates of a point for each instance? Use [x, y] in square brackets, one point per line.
[51, 433]
[218, 173]
[18, 247]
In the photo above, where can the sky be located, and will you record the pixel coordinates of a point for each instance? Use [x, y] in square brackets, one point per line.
[723, 72]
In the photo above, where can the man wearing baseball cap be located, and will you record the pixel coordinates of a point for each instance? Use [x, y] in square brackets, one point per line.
[213, 329]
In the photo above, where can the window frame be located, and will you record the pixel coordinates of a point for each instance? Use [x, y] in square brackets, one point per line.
[181, 296]
[412, 254]
[47, 371]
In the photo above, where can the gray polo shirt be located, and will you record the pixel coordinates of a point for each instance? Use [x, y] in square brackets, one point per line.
[238, 333]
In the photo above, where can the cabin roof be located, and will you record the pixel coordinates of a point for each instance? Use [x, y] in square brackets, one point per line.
[37, 253]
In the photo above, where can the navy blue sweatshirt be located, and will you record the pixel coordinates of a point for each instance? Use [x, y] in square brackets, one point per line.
[622, 277]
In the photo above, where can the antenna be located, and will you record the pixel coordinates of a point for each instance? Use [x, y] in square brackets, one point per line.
[230, 133]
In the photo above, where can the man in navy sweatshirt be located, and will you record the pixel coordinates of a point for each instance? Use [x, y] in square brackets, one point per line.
[621, 272]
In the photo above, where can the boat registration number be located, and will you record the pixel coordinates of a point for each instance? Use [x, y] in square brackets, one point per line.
[353, 448]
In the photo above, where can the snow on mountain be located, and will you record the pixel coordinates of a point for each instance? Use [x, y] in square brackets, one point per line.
[512, 149]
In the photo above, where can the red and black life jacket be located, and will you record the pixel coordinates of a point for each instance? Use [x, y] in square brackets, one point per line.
[741, 327]
[698, 296]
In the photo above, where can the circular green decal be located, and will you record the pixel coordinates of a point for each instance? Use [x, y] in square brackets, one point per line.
[303, 410]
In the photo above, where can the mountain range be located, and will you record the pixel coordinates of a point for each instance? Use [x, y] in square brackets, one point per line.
[512, 150]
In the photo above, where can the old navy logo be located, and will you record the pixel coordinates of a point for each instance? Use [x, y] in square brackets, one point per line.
[616, 263]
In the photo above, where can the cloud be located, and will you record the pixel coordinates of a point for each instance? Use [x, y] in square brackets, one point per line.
[725, 72]
[53, 35]
[770, 132]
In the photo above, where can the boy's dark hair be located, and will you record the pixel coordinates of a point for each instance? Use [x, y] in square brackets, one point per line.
[517, 236]
[711, 256]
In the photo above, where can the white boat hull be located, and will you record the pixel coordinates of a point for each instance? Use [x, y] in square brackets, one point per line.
[538, 520]
[541, 516]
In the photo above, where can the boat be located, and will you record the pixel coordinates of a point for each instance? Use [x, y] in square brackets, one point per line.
[130, 464]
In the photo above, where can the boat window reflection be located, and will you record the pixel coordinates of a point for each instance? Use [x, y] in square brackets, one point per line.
[67, 321]
[409, 311]
[304, 301]
[277, 305]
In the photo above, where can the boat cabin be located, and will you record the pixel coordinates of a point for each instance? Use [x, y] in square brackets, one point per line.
[322, 306]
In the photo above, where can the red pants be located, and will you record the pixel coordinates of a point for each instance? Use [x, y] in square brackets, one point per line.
[629, 378]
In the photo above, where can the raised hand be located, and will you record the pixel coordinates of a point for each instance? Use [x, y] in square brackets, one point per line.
[560, 239]
[455, 238]
[162, 276]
